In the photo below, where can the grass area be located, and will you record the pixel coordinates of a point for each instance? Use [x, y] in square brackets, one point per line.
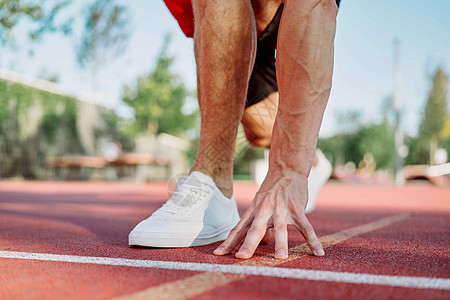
[243, 177]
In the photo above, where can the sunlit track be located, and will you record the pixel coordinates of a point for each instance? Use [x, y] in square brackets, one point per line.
[204, 282]
[239, 270]
[66, 240]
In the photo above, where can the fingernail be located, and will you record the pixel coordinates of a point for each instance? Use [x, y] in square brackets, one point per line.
[280, 253]
[219, 250]
[242, 252]
[319, 252]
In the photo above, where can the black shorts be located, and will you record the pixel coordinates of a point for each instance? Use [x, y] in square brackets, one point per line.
[263, 80]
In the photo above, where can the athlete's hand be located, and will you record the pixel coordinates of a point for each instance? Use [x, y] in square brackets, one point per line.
[280, 201]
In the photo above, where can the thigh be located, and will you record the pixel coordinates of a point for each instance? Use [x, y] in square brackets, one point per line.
[258, 119]
[264, 11]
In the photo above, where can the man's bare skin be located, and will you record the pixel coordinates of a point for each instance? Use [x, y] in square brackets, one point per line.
[258, 121]
[225, 45]
[264, 11]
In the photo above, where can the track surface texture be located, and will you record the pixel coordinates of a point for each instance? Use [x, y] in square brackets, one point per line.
[68, 240]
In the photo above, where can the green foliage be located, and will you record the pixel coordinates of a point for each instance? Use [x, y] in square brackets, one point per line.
[50, 122]
[244, 158]
[358, 139]
[115, 126]
[436, 107]
[340, 148]
[42, 18]
[444, 135]
[245, 154]
[435, 115]
[16, 101]
[23, 148]
[445, 144]
[379, 140]
[418, 150]
[158, 98]
[104, 34]
[375, 138]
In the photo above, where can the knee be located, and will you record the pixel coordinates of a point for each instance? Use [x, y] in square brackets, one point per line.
[223, 15]
[257, 134]
[259, 139]
[262, 142]
[307, 6]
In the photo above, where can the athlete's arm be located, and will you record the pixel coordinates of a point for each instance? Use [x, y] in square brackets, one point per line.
[304, 69]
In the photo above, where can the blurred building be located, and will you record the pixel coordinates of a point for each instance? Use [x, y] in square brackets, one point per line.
[48, 132]
[39, 119]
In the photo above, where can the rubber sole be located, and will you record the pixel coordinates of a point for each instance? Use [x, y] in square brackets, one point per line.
[163, 240]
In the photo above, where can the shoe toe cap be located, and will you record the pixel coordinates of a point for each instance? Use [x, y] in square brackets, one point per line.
[159, 224]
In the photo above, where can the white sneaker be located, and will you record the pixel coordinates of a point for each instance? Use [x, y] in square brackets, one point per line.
[196, 214]
[317, 177]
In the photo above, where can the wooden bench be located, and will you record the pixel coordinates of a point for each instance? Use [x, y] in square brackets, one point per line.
[133, 166]
[142, 165]
[76, 167]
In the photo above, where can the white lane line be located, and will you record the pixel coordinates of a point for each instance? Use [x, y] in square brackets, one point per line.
[397, 281]
[192, 286]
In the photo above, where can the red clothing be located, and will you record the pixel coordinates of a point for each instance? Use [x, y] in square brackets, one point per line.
[182, 12]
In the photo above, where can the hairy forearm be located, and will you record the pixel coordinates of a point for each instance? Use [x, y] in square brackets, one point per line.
[304, 70]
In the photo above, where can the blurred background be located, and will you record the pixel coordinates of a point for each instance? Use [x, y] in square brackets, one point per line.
[106, 90]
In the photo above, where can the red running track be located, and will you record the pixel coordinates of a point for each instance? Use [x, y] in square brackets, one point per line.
[367, 229]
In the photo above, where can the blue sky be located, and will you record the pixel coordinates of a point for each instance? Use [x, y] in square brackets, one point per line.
[363, 74]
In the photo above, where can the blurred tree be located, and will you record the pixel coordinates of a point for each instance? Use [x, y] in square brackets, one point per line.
[105, 32]
[158, 98]
[355, 138]
[341, 148]
[445, 132]
[34, 124]
[377, 139]
[444, 135]
[435, 114]
[42, 18]
[244, 155]
[352, 145]
[418, 150]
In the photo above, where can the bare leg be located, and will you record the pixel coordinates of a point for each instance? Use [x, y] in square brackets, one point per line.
[258, 121]
[225, 45]
[264, 11]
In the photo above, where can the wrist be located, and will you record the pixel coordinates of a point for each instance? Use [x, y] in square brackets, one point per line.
[292, 152]
[291, 161]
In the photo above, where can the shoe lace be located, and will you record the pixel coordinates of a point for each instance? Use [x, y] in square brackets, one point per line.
[184, 198]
